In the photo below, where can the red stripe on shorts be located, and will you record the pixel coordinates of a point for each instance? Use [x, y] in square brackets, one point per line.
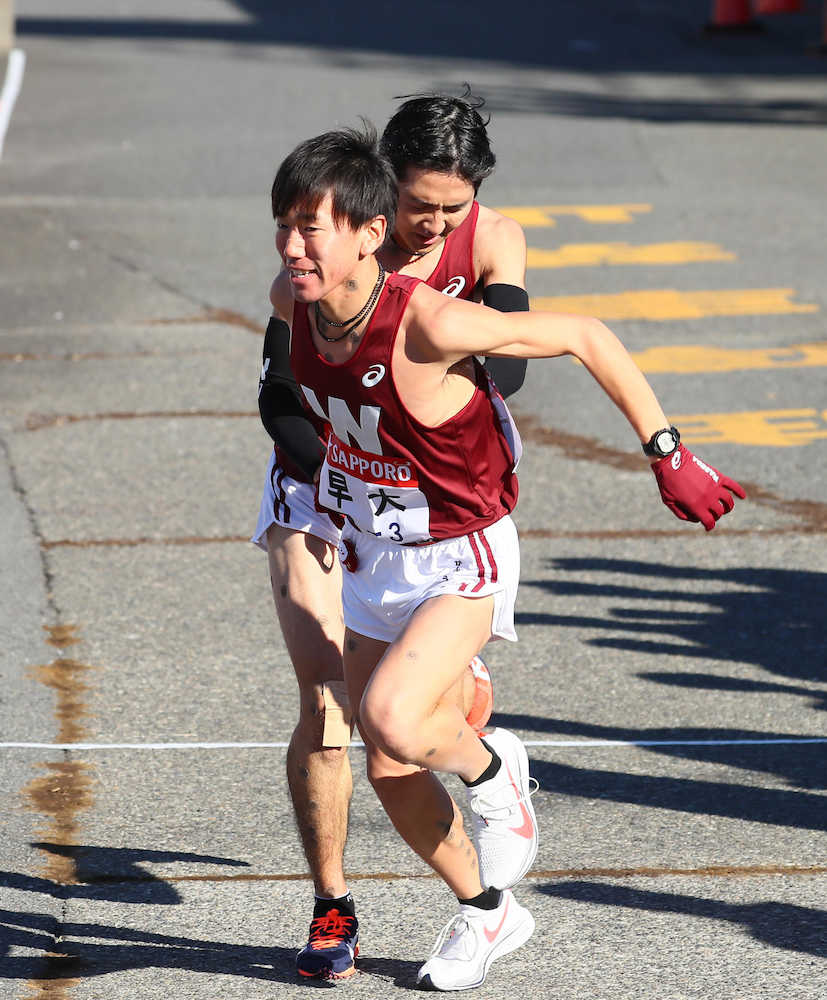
[480, 565]
[492, 562]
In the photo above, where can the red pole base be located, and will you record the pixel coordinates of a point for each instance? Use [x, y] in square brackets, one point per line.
[732, 17]
[778, 6]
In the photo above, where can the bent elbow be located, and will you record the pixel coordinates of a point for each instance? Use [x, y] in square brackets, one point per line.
[593, 337]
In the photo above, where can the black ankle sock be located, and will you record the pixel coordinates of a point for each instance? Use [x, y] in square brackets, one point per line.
[344, 904]
[488, 899]
[489, 772]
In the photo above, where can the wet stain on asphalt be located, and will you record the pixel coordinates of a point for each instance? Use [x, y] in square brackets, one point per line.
[129, 542]
[227, 316]
[64, 676]
[58, 985]
[61, 636]
[20, 356]
[40, 421]
[709, 871]
[60, 794]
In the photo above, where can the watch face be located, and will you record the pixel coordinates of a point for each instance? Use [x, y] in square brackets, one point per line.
[665, 442]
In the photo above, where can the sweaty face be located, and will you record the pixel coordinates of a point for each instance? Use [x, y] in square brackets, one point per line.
[317, 252]
[431, 205]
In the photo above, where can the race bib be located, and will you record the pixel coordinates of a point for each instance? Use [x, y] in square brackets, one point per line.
[378, 493]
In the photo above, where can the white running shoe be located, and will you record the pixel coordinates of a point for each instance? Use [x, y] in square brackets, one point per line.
[472, 940]
[505, 827]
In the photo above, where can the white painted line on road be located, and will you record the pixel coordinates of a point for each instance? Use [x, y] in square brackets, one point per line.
[564, 744]
[149, 746]
[579, 744]
[11, 90]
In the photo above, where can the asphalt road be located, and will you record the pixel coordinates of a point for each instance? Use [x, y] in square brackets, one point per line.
[672, 684]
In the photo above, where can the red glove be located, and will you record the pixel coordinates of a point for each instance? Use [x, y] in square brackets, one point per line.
[693, 490]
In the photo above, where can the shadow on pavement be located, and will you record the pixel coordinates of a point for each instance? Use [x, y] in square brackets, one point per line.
[801, 764]
[584, 104]
[85, 950]
[403, 973]
[598, 36]
[111, 873]
[779, 807]
[79, 950]
[93, 949]
[712, 682]
[772, 618]
[781, 925]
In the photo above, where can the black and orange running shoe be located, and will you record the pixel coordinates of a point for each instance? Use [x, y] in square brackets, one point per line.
[332, 947]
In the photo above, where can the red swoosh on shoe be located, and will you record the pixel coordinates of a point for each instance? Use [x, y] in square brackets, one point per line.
[526, 828]
[492, 934]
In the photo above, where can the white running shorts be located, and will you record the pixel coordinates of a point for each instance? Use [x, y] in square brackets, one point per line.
[391, 581]
[288, 502]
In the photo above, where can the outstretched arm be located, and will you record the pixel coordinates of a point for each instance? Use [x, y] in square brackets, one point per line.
[692, 489]
[449, 329]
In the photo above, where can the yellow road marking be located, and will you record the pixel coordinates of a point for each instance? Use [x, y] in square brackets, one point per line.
[694, 358]
[544, 215]
[765, 428]
[668, 303]
[593, 254]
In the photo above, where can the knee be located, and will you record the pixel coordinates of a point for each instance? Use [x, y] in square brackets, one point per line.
[311, 702]
[390, 727]
[325, 718]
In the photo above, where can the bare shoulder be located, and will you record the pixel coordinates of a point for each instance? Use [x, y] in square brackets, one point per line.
[494, 228]
[280, 297]
[426, 310]
[426, 301]
[433, 322]
[500, 248]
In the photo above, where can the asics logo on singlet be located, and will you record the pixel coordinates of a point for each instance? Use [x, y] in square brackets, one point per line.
[454, 286]
[373, 375]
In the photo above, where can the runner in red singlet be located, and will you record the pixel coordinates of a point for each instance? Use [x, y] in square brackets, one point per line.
[419, 462]
[440, 152]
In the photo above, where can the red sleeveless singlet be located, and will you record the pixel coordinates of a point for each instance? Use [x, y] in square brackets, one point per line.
[390, 474]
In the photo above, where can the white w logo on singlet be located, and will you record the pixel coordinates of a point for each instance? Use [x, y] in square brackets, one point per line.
[364, 431]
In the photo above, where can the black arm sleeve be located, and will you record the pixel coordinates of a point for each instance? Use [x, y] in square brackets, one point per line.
[508, 373]
[280, 405]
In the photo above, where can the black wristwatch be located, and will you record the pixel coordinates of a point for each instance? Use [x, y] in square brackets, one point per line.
[662, 443]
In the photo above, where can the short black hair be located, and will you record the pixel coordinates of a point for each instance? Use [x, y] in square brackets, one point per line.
[438, 132]
[347, 164]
